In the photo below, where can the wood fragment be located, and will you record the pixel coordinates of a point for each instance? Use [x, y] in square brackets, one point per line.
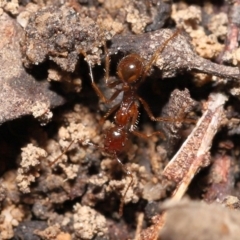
[178, 55]
[194, 153]
[191, 157]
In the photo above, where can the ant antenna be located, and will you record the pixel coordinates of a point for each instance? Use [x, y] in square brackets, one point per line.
[158, 51]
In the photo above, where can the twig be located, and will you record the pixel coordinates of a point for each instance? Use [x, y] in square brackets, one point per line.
[194, 153]
[231, 42]
[140, 218]
[191, 157]
[177, 56]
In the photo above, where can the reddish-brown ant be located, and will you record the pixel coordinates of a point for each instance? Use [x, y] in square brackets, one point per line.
[131, 72]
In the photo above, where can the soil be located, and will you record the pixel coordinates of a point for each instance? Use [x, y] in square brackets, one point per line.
[58, 178]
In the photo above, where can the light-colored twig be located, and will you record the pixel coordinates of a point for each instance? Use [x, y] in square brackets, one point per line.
[191, 157]
[194, 153]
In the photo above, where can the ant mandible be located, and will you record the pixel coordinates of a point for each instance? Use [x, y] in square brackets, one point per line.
[131, 72]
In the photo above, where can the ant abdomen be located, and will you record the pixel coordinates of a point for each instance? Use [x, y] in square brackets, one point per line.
[130, 68]
[115, 140]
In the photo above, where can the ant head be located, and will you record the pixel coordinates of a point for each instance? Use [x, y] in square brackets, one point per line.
[130, 68]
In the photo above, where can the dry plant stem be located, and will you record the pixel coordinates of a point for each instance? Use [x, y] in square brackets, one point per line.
[233, 27]
[231, 42]
[191, 157]
[177, 56]
[140, 219]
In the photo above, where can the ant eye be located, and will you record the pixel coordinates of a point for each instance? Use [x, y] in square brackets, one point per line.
[130, 68]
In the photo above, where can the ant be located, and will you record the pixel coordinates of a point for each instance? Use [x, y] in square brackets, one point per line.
[131, 71]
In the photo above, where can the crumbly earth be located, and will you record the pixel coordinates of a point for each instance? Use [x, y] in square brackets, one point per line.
[57, 181]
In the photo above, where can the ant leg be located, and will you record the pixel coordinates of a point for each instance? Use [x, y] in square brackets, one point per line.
[95, 87]
[109, 112]
[146, 136]
[65, 150]
[162, 119]
[107, 63]
[114, 83]
[68, 147]
[129, 185]
[154, 57]
[134, 121]
[115, 94]
[107, 69]
[99, 92]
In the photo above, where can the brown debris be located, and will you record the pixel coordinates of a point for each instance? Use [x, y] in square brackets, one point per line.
[231, 202]
[54, 190]
[62, 36]
[194, 153]
[233, 28]
[178, 55]
[49, 233]
[160, 12]
[133, 192]
[11, 6]
[19, 90]
[191, 157]
[214, 222]
[190, 19]
[179, 106]
[26, 229]
[220, 179]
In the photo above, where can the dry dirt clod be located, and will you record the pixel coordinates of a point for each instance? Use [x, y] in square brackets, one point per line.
[77, 197]
[19, 91]
[11, 6]
[26, 230]
[30, 167]
[88, 223]
[62, 35]
[201, 216]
